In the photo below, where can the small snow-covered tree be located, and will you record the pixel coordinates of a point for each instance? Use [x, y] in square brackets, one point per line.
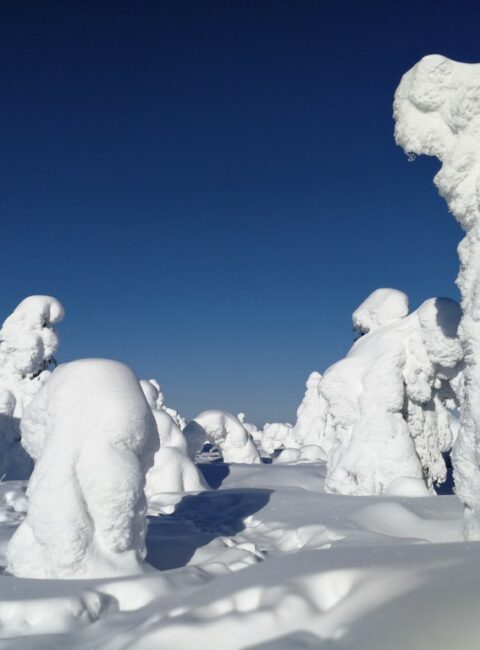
[28, 343]
[252, 429]
[93, 437]
[437, 113]
[310, 426]
[277, 436]
[172, 472]
[15, 463]
[226, 432]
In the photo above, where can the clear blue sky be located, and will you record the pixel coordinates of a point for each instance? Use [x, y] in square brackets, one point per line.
[211, 188]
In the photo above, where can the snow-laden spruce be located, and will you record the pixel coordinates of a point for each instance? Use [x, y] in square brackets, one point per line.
[386, 401]
[15, 463]
[28, 343]
[277, 436]
[226, 432]
[154, 394]
[437, 113]
[252, 429]
[93, 437]
[172, 472]
[311, 415]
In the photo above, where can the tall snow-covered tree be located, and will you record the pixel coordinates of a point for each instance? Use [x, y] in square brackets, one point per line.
[437, 113]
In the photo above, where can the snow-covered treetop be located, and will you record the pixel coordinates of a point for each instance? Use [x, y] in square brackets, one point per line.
[382, 307]
[437, 112]
[28, 339]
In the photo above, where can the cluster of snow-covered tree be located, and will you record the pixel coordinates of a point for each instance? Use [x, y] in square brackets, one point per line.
[382, 418]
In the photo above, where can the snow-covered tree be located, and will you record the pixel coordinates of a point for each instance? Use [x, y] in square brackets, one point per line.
[225, 431]
[386, 401]
[28, 343]
[151, 387]
[310, 426]
[15, 463]
[277, 436]
[437, 113]
[252, 429]
[93, 437]
[172, 472]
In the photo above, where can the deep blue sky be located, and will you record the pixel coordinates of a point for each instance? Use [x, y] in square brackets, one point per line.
[211, 188]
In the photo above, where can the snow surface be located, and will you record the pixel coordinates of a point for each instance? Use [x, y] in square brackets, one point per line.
[92, 436]
[268, 559]
[437, 113]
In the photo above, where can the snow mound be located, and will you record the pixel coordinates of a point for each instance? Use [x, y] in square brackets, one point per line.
[93, 437]
[226, 432]
[407, 487]
[305, 454]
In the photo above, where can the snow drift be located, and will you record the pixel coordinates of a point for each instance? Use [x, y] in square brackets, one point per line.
[93, 437]
[437, 113]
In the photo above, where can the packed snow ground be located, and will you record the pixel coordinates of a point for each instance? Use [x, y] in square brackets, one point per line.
[265, 559]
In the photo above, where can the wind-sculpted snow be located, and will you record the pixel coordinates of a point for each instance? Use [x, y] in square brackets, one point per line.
[93, 437]
[382, 411]
[172, 472]
[437, 113]
[225, 431]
